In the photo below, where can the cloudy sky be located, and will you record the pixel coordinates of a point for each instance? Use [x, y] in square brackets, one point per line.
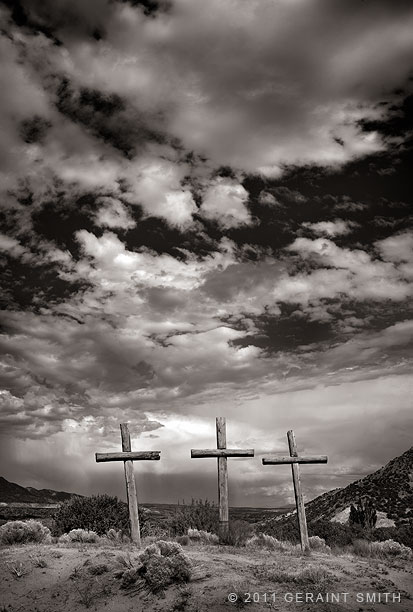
[205, 211]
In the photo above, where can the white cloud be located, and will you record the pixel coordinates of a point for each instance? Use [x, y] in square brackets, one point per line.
[112, 213]
[224, 201]
[353, 273]
[398, 248]
[157, 185]
[338, 227]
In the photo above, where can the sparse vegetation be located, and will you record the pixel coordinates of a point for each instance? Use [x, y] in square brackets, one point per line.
[98, 570]
[38, 561]
[22, 532]
[17, 569]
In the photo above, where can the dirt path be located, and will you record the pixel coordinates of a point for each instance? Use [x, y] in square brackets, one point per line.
[56, 578]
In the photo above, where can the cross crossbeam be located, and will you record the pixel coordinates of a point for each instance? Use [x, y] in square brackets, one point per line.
[295, 460]
[274, 460]
[222, 453]
[128, 457]
[132, 456]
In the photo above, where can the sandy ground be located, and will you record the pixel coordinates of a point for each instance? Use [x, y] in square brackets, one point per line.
[49, 578]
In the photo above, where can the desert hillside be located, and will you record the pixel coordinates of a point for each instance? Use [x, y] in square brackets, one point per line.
[390, 488]
[10, 492]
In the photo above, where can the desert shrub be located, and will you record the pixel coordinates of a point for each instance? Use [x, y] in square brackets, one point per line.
[363, 513]
[361, 547]
[317, 543]
[391, 548]
[200, 514]
[285, 531]
[239, 532]
[20, 532]
[334, 534]
[114, 535]
[402, 534]
[202, 536]
[316, 579]
[79, 535]
[97, 513]
[388, 548]
[161, 564]
[262, 540]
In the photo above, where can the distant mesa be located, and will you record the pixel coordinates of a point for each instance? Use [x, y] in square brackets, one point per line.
[12, 493]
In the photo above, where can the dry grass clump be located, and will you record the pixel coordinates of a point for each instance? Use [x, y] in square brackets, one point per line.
[312, 578]
[262, 540]
[388, 548]
[79, 535]
[21, 532]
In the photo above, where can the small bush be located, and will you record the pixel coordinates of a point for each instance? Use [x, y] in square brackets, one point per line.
[201, 515]
[97, 513]
[20, 532]
[317, 543]
[285, 531]
[388, 548]
[391, 548]
[161, 564]
[334, 534]
[362, 548]
[239, 533]
[203, 536]
[79, 535]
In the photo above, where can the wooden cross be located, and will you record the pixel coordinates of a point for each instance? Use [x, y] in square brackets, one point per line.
[295, 460]
[128, 457]
[222, 453]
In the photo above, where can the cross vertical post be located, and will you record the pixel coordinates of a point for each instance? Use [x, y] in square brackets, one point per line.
[222, 481]
[294, 460]
[128, 457]
[222, 453]
[299, 499]
[130, 486]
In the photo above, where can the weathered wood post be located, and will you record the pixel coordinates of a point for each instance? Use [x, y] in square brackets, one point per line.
[222, 453]
[295, 460]
[128, 457]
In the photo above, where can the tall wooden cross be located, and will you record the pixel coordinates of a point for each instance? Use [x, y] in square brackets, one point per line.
[128, 457]
[222, 453]
[295, 460]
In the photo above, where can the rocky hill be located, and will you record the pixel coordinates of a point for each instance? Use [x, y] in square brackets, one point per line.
[390, 488]
[11, 492]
